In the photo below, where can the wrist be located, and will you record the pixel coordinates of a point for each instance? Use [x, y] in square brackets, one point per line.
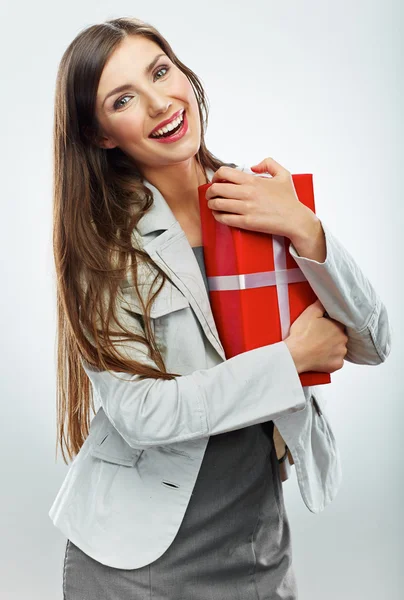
[299, 358]
[309, 239]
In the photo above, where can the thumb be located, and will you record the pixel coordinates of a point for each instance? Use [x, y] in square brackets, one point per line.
[317, 308]
[268, 165]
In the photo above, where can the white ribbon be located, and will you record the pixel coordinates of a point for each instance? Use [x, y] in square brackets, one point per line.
[281, 277]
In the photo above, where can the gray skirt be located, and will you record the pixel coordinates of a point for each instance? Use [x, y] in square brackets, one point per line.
[234, 542]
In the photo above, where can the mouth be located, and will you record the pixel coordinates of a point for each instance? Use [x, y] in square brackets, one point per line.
[180, 120]
[175, 134]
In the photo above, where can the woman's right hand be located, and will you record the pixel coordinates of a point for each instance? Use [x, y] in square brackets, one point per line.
[317, 343]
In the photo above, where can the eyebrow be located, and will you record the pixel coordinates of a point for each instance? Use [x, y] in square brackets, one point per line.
[126, 86]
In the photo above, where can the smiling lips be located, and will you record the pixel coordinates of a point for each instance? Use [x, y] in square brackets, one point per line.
[176, 133]
[168, 124]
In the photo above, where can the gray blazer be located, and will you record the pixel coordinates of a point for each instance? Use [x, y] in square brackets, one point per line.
[126, 492]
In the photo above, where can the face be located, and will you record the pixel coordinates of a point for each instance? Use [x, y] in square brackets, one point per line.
[128, 116]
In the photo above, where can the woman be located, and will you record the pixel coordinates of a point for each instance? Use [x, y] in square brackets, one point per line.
[174, 491]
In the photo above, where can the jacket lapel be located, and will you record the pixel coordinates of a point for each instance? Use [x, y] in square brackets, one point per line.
[163, 239]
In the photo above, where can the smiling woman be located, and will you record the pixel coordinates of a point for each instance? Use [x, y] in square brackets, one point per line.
[174, 491]
[109, 147]
[129, 114]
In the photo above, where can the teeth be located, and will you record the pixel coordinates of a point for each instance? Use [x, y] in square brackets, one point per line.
[170, 126]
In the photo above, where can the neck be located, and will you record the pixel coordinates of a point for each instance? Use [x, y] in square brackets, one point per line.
[179, 185]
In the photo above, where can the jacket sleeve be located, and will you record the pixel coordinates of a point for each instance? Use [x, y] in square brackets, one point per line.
[250, 388]
[349, 297]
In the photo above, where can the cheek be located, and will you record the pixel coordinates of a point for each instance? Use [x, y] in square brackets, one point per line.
[185, 89]
[130, 127]
[193, 103]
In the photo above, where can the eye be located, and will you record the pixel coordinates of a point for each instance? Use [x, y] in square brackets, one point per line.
[116, 103]
[163, 68]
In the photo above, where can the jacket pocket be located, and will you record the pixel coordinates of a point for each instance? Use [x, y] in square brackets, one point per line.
[108, 445]
[168, 300]
[316, 405]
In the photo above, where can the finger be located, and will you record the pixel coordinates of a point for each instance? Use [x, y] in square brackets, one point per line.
[318, 307]
[230, 219]
[269, 165]
[225, 190]
[230, 206]
[231, 174]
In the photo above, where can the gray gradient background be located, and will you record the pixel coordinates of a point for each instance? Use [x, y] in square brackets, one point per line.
[316, 85]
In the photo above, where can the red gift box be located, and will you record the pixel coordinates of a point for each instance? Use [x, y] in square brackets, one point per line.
[256, 288]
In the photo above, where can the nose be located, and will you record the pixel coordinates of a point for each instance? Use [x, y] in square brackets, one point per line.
[158, 104]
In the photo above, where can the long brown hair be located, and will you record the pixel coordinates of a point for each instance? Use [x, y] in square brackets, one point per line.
[98, 199]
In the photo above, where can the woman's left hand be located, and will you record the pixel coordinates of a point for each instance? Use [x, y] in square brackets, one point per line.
[268, 205]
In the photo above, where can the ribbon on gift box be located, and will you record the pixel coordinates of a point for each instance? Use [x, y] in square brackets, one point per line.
[281, 277]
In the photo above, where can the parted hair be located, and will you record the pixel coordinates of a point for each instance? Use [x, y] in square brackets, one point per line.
[98, 199]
